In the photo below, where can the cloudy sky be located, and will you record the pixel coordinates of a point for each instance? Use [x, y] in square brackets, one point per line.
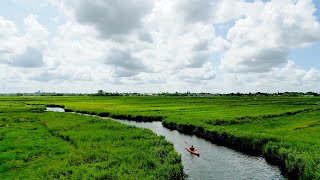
[159, 45]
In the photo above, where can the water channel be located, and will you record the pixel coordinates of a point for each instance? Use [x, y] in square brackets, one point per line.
[215, 162]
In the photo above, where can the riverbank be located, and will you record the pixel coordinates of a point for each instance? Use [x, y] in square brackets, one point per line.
[246, 145]
[41, 145]
[215, 162]
[284, 130]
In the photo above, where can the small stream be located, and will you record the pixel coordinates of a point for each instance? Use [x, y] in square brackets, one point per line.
[215, 162]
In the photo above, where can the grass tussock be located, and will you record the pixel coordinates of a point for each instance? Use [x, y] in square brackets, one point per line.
[285, 130]
[56, 145]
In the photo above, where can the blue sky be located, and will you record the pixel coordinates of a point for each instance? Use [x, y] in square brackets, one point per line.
[307, 57]
[64, 46]
[16, 11]
[317, 5]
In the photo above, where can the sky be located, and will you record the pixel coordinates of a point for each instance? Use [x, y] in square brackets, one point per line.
[151, 46]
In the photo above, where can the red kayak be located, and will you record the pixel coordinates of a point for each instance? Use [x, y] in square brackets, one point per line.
[195, 152]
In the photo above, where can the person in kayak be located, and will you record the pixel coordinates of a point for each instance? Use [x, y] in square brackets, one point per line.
[192, 148]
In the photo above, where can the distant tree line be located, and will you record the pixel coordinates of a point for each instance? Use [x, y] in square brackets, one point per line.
[201, 94]
[43, 94]
[274, 94]
[102, 93]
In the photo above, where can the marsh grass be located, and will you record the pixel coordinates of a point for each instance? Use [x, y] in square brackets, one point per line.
[285, 130]
[56, 145]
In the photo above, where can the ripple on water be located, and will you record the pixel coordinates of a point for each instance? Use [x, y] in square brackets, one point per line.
[215, 162]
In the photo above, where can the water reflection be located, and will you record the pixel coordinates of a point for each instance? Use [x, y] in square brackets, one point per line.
[215, 162]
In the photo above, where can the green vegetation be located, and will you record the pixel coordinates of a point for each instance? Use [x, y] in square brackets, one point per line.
[46, 145]
[286, 130]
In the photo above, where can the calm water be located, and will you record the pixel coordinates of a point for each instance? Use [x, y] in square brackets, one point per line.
[215, 162]
[55, 109]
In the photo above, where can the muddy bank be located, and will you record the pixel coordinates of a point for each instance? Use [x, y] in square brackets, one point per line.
[245, 145]
[215, 162]
[137, 118]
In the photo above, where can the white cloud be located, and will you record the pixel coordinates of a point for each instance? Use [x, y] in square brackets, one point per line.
[112, 17]
[289, 77]
[225, 12]
[36, 35]
[7, 32]
[312, 75]
[23, 50]
[262, 39]
[196, 10]
[196, 75]
[160, 37]
[30, 58]
[125, 64]
[7, 28]
[162, 45]
[148, 78]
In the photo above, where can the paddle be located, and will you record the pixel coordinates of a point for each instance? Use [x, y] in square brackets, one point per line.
[190, 146]
[187, 144]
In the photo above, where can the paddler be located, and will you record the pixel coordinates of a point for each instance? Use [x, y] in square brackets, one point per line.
[192, 148]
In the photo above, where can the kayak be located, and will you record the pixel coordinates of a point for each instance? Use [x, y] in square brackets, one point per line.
[195, 152]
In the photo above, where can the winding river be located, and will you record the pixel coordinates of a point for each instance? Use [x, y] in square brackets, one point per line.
[215, 162]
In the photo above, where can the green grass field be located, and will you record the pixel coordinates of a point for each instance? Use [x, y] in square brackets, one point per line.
[47, 145]
[286, 130]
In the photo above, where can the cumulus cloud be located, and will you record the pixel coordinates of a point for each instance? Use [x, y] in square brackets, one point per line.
[196, 75]
[177, 38]
[165, 44]
[7, 28]
[76, 44]
[253, 59]
[22, 50]
[125, 64]
[148, 78]
[49, 76]
[312, 75]
[225, 12]
[7, 38]
[112, 17]
[32, 57]
[262, 39]
[148, 36]
[289, 77]
[36, 34]
[196, 10]
[64, 74]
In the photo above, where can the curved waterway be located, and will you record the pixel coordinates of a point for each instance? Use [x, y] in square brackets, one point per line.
[215, 162]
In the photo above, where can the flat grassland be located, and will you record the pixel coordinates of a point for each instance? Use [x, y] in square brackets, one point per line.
[45, 145]
[285, 130]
